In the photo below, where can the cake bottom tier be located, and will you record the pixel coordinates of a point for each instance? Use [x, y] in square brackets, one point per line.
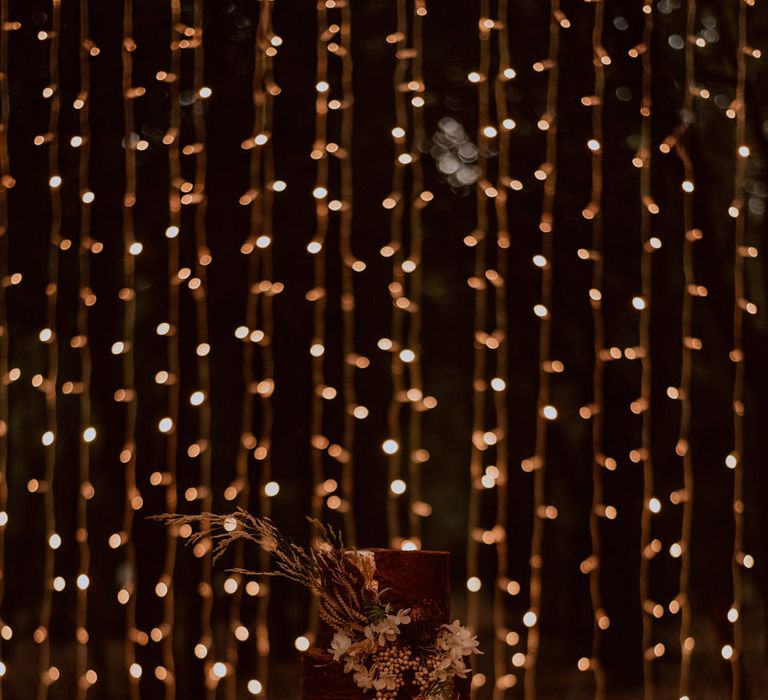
[324, 679]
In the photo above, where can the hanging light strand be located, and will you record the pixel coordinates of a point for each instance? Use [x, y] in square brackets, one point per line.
[395, 202]
[194, 194]
[127, 394]
[593, 212]
[85, 676]
[734, 461]
[263, 453]
[258, 321]
[477, 240]
[418, 200]
[317, 296]
[648, 548]
[171, 377]
[6, 182]
[499, 383]
[49, 673]
[406, 202]
[545, 411]
[349, 264]
[689, 344]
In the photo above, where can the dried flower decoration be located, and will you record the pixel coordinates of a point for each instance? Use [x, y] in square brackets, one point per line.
[368, 634]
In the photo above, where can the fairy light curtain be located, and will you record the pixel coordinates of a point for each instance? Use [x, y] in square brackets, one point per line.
[484, 277]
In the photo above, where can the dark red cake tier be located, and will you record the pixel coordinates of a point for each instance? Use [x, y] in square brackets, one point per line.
[418, 580]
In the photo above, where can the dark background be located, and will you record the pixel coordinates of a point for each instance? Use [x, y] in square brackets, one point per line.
[451, 51]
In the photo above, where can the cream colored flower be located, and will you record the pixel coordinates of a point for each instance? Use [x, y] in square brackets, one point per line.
[459, 640]
[402, 617]
[385, 681]
[339, 645]
[362, 677]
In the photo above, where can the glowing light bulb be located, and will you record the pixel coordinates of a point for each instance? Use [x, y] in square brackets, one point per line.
[390, 446]
[398, 487]
[550, 412]
[219, 669]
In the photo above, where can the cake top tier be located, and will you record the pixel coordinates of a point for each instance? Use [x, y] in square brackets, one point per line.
[417, 580]
[408, 579]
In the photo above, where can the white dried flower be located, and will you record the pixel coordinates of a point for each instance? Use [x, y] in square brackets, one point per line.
[402, 617]
[362, 677]
[386, 681]
[339, 645]
[459, 641]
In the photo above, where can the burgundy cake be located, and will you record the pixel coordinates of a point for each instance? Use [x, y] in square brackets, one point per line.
[414, 580]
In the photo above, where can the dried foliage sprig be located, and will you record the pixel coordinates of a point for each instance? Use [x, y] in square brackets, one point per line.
[323, 569]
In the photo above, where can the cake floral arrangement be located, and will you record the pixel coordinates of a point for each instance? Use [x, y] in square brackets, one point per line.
[389, 652]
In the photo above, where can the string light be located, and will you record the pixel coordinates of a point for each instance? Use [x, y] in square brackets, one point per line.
[127, 394]
[477, 241]
[503, 679]
[394, 203]
[42, 633]
[259, 315]
[171, 139]
[539, 460]
[594, 213]
[258, 258]
[406, 204]
[733, 652]
[683, 450]
[643, 160]
[197, 197]
[334, 139]
[86, 491]
[6, 182]
[420, 198]
[318, 294]
[349, 264]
